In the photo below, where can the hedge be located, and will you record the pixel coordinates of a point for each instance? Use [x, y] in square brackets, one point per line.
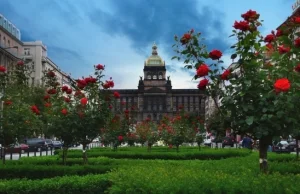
[41, 171]
[207, 154]
[166, 177]
[59, 185]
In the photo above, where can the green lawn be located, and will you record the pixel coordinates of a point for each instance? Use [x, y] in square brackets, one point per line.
[127, 175]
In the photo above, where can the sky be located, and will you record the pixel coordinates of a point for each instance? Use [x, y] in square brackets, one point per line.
[120, 33]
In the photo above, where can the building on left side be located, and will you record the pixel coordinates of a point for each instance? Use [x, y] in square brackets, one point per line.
[34, 54]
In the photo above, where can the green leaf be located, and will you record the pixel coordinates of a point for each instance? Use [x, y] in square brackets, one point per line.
[264, 110]
[249, 120]
[233, 56]
[175, 57]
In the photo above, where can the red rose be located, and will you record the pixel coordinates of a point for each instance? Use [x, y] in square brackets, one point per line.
[269, 46]
[108, 84]
[110, 106]
[297, 42]
[241, 25]
[269, 38]
[282, 85]
[64, 111]
[250, 15]
[100, 67]
[83, 101]
[297, 68]
[120, 138]
[202, 70]
[51, 74]
[52, 91]
[202, 84]
[297, 20]
[282, 49]
[215, 54]
[66, 99]
[8, 102]
[2, 68]
[123, 103]
[64, 88]
[20, 63]
[90, 80]
[116, 95]
[225, 74]
[35, 109]
[279, 33]
[47, 104]
[81, 83]
[46, 97]
[69, 91]
[185, 38]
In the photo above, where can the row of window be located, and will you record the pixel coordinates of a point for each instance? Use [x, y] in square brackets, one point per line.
[154, 76]
[10, 27]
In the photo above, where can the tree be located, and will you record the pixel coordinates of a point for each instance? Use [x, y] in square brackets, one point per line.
[19, 118]
[79, 116]
[147, 132]
[258, 91]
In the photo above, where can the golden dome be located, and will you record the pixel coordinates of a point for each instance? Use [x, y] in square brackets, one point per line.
[154, 59]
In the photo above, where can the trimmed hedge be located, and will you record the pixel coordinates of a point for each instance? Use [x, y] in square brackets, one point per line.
[41, 171]
[217, 177]
[54, 160]
[206, 154]
[59, 185]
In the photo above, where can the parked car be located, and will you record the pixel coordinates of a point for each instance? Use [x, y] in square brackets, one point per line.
[57, 144]
[281, 147]
[49, 143]
[292, 146]
[17, 148]
[36, 144]
[228, 141]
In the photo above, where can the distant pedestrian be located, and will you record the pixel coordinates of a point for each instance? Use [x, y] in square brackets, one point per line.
[247, 142]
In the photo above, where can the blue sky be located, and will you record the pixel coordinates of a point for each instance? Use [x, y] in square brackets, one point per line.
[120, 33]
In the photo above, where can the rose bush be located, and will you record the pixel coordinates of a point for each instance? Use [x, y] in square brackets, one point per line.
[260, 90]
[76, 113]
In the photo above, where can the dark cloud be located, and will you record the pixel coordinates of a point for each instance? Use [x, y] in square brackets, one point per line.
[147, 21]
[170, 68]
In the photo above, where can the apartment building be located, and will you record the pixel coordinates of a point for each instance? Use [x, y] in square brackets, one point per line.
[34, 54]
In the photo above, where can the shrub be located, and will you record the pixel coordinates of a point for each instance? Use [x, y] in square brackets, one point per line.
[58, 185]
[42, 171]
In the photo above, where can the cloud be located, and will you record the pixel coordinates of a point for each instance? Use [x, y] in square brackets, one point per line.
[147, 21]
[170, 68]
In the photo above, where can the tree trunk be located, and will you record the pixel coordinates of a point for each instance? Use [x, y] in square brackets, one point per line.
[264, 143]
[3, 154]
[149, 147]
[297, 148]
[64, 156]
[84, 155]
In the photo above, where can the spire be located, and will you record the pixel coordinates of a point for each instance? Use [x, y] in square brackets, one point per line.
[154, 49]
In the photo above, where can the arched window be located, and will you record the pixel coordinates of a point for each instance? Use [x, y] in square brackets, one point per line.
[154, 77]
[148, 76]
[160, 75]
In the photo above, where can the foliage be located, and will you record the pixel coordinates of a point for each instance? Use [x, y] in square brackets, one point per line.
[20, 117]
[63, 185]
[259, 91]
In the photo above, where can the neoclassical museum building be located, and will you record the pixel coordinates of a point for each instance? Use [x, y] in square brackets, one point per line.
[154, 96]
